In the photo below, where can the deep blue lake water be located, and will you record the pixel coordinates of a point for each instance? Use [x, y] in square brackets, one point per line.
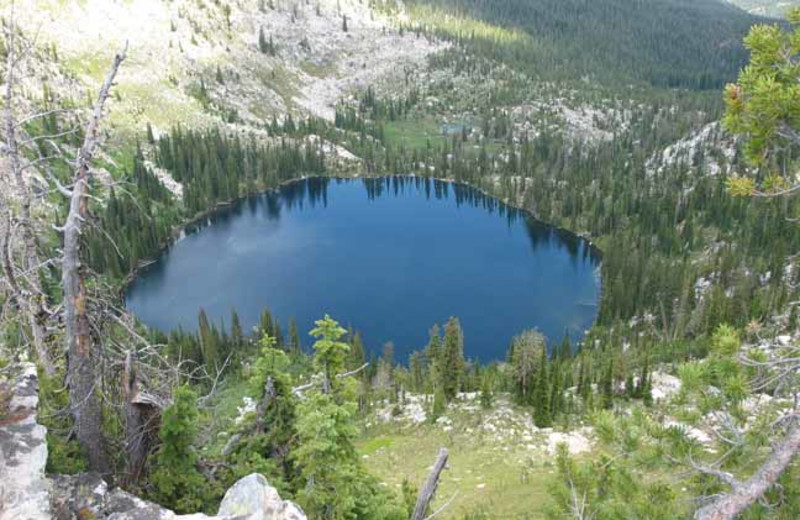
[388, 256]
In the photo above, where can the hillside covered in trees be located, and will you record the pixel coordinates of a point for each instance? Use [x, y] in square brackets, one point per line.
[663, 131]
[666, 43]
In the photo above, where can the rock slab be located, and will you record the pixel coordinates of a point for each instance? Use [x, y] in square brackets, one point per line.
[24, 489]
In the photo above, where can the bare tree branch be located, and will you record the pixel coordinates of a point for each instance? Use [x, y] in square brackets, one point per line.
[429, 489]
[742, 495]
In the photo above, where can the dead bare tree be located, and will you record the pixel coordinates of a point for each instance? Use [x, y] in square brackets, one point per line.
[142, 415]
[780, 373]
[429, 489]
[82, 379]
[24, 283]
[744, 494]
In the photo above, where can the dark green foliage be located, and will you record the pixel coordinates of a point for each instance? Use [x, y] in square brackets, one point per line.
[209, 343]
[331, 482]
[214, 168]
[269, 441]
[609, 490]
[64, 455]
[133, 225]
[607, 386]
[451, 368]
[266, 46]
[487, 393]
[175, 479]
[668, 43]
[542, 413]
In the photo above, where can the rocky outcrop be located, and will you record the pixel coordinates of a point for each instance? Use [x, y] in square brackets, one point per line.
[24, 489]
[87, 496]
[253, 498]
[27, 494]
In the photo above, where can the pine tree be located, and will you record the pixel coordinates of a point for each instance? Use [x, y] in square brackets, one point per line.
[487, 396]
[295, 347]
[556, 390]
[525, 350]
[263, 46]
[452, 366]
[176, 481]
[607, 386]
[330, 352]
[237, 334]
[541, 395]
[208, 343]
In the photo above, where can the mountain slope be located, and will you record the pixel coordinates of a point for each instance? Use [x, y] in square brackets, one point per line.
[667, 43]
[774, 8]
[199, 61]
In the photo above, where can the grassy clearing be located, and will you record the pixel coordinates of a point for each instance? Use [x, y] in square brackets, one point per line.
[221, 415]
[317, 70]
[284, 82]
[502, 473]
[413, 133]
[502, 478]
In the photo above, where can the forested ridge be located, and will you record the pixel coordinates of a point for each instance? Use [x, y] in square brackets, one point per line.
[605, 119]
[667, 43]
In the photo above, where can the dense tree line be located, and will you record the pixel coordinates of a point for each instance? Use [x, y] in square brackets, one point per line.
[666, 43]
[216, 168]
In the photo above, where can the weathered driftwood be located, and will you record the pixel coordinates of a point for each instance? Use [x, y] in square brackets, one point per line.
[81, 375]
[428, 491]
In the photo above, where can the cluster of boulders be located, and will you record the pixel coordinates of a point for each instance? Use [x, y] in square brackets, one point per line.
[27, 493]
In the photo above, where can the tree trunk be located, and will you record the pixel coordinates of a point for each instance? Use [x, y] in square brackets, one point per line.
[263, 406]
[744, 494]
[81, 377]
[426, 493]
[140, 420]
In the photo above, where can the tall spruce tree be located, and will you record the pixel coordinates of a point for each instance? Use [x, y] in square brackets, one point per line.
[452, 360]
[542, 416]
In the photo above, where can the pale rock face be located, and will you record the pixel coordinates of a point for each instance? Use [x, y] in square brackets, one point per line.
[253, 498]
[24, 489]
[27, 494]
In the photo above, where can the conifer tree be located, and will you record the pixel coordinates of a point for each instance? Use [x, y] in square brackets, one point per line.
[176, 481]
[209, 346]
[452, 361]
[263, 46]
[295, 347]
[237, 334]
[542, 416]
[556, 390]
[607, 386]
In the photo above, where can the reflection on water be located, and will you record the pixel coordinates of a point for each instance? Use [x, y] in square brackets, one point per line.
[389, 256]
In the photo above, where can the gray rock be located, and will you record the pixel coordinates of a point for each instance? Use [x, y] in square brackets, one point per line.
[24, 489]
[254, 499]
[26, 494]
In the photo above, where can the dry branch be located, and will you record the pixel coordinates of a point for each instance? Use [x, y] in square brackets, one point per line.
[429, 489]
[742, 495]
